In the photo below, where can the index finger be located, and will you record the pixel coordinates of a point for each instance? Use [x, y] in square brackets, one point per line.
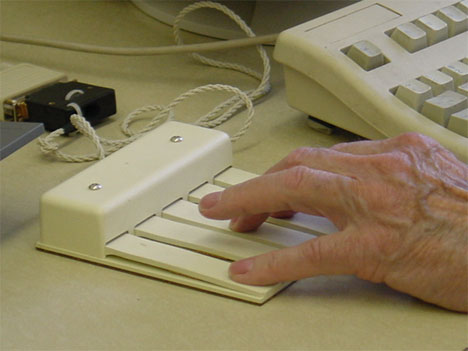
[298, 189]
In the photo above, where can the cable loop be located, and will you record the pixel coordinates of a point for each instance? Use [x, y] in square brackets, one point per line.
[214, 118]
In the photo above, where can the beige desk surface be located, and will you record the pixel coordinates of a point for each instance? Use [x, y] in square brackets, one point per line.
[52, 302]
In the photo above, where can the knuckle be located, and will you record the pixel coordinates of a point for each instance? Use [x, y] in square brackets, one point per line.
[273, 264]
[416, 140]
[297, 156]
[402, 162]
[393, 162]
[312, 251]
[341, 146]
[295, 177]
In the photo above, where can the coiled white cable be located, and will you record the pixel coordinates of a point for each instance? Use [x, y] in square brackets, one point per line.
[214, 118]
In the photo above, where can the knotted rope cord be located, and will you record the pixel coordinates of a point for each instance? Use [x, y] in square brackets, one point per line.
[213, 119]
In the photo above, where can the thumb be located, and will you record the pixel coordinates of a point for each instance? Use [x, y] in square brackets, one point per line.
[325, 255]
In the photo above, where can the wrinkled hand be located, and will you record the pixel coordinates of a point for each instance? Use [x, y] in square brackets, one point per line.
[401, 207]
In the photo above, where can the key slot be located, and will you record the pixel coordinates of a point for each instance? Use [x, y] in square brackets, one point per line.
[205, 241]
[180, 261]
[314, 225]
[187, 212]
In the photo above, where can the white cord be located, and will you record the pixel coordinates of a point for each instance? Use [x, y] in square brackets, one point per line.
[214, 118]
[143, 51]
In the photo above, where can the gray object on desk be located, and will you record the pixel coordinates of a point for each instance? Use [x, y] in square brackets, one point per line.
[14, 135]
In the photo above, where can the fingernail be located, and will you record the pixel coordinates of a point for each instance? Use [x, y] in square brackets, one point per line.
[209, 201]
[241, 267]
[233, 224]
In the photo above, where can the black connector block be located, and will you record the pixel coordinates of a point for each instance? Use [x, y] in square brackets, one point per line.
[51, 104]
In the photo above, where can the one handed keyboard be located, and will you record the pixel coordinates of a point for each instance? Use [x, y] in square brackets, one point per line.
[137, 211]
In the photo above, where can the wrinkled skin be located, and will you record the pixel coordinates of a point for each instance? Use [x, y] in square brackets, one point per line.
[400, 205]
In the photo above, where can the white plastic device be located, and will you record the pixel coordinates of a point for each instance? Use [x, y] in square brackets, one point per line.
[382, 68]
[19, 80]
[136, 210]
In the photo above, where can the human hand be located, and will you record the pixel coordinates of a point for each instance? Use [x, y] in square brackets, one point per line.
[401, 207]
